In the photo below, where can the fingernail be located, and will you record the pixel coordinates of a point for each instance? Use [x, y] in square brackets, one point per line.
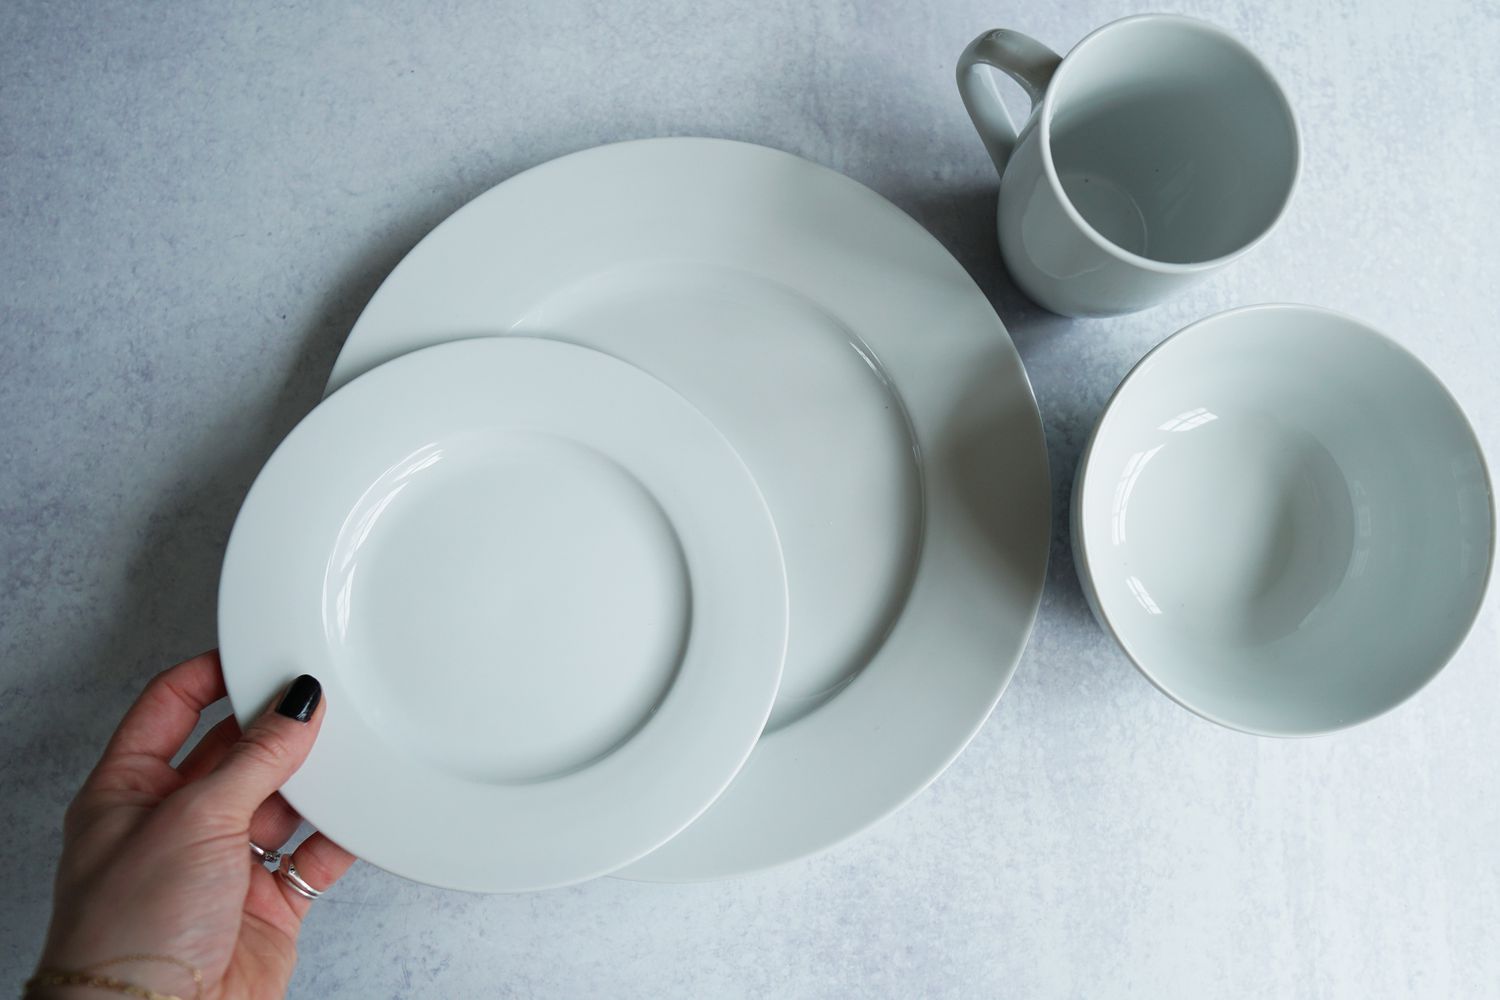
[301, 699]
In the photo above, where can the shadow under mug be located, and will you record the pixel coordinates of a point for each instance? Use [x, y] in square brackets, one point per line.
[1159, 150]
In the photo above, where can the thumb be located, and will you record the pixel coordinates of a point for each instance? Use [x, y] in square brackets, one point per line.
[269, 752]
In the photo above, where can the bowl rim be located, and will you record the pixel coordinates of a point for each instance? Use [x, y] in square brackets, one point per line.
[1080, 541]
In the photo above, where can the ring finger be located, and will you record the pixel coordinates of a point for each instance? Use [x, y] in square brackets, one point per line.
[320, 863]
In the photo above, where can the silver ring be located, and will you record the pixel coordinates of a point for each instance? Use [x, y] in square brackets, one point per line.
[264, 856]
[298, 884]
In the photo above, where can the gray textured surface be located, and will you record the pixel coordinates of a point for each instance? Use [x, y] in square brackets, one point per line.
[197, 201]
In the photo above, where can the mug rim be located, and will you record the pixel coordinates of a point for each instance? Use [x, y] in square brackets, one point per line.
[1049, 168]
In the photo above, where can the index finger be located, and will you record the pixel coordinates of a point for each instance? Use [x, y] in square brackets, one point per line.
[164, 715]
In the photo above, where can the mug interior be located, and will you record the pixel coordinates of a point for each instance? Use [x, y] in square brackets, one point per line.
[1171, 139]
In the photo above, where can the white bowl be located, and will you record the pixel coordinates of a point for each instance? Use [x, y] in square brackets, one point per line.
[1285, 520]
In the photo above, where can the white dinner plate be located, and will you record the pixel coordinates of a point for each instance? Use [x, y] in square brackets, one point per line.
[866, 382]
[545, 600]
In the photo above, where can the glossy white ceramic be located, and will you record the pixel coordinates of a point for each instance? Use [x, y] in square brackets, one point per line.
[1159, 150]
[1285, 520]
[868, 385]
[543, 595]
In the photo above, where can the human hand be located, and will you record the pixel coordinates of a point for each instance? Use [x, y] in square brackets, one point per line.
[156, 864]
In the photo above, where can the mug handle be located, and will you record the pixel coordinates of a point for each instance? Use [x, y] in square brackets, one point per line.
[1020, 57]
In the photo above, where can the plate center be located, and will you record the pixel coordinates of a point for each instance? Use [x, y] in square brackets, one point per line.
[509, 605]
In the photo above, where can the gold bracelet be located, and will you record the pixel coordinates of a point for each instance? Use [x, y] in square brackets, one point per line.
[50, 977]
[56, 977]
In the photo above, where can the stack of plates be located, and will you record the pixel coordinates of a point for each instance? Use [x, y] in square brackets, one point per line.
[679, 509]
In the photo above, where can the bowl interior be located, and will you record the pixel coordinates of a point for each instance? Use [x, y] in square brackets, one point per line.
[1286, 520]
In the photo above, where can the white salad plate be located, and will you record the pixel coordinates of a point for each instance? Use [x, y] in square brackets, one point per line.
[545, 600]
[1285, 520]
[868, 385]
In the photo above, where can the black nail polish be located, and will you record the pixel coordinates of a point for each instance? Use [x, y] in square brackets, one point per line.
[301, 699]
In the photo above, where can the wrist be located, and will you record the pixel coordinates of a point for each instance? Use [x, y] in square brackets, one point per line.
[145, 977]
[67, 993]
[62, 993]
[102, 988]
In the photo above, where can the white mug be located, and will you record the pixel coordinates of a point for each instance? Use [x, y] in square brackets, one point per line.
[1159, 150]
